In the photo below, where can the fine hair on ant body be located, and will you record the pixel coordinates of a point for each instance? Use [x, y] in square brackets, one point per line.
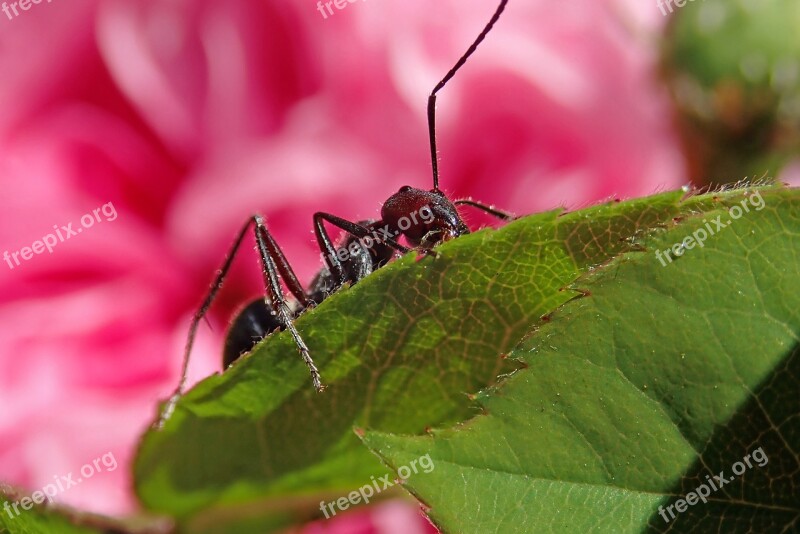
[424, 218]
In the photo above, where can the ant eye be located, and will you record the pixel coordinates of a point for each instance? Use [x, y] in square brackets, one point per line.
[405, 188]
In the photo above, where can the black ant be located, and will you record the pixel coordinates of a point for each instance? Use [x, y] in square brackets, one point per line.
[368, 245]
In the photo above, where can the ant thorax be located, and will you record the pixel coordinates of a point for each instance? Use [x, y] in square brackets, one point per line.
[358, 258]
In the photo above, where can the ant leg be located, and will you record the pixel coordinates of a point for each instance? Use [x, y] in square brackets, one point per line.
[326, 245]
[266, 251]
[280, 262]
[286, 273]
[169, 407]
[443, 82]
[491, 210]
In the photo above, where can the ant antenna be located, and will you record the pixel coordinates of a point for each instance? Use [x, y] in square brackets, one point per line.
[443, 82]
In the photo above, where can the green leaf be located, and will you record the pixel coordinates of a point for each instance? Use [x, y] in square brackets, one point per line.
[398, 352]
[636, 393]
[35, 522]
[40, 519]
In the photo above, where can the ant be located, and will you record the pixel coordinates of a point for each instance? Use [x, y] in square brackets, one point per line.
[368, 245]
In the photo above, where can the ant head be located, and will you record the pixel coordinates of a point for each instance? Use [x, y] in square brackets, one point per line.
[425, 218]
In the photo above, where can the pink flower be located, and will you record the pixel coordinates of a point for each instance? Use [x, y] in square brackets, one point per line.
[188, 116]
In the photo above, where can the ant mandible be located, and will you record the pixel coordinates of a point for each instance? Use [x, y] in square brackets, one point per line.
[351, 260]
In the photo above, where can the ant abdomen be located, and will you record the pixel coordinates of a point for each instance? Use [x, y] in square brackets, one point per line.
[252, 324]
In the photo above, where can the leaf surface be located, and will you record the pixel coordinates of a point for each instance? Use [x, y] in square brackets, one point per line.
[399, 353]
[640, 392]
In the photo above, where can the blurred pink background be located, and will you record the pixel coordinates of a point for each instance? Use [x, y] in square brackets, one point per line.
[188, 116]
